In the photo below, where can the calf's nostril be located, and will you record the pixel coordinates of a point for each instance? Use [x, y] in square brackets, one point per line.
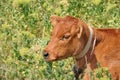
[45, 54]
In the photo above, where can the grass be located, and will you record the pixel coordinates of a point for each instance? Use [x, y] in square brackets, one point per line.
[25, 24]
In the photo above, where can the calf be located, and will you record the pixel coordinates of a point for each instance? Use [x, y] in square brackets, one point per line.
[72, 37]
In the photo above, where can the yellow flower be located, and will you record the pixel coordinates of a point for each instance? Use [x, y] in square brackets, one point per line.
[96, 2]
[24, 51]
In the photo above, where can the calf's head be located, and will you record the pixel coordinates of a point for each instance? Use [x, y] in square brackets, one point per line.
[66, 38]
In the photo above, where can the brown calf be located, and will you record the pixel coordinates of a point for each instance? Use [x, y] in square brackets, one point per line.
[89, 46]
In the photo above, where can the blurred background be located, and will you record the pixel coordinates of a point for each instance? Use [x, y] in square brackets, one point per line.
[25, 29]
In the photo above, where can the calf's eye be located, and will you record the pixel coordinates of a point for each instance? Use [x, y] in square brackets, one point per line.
[66, 36]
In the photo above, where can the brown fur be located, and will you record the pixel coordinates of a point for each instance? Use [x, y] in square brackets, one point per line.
[69, 38]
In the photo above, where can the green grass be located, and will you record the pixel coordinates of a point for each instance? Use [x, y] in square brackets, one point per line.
[24, 24]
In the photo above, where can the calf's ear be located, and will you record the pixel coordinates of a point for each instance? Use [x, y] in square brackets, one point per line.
[80, 30]
[55, 19]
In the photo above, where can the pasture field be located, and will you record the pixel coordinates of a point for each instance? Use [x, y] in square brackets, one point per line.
[25, 29]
